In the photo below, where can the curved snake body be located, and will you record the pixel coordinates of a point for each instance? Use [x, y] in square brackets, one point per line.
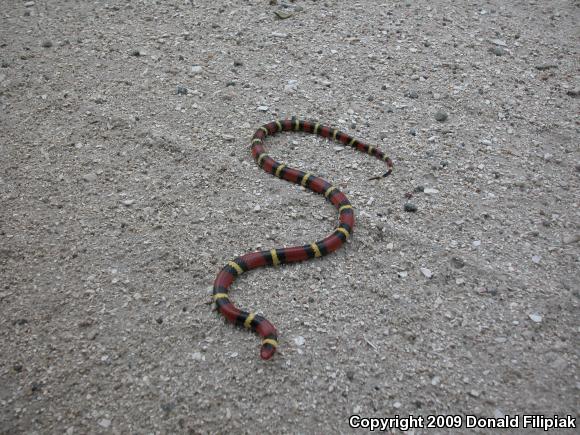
[275, 257]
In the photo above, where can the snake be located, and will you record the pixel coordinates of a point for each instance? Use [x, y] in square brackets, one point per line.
[274, 257]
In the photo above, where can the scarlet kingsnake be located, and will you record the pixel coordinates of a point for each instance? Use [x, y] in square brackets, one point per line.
[275, 257]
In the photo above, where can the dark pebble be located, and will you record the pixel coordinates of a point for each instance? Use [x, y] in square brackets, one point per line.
[440, 116]
[36, 386]
[545, 66]
[457, 262]
[47, 44]
[238, 63]
[498, 51]
[159, 320]
[413, 131]
[85, 323]
[17, 367]
[168, 407]
[135, 53]
[573, 92]
[20, 322]
[181, 90]
[419, 189]
[410, 207]
[412, 94]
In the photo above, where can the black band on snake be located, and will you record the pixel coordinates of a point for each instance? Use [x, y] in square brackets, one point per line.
[275, 257]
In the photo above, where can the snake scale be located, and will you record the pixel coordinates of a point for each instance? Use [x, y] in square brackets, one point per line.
[274, 257]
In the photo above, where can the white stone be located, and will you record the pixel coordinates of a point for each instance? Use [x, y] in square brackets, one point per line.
[197, 356]
[299, 340]
[104, 422]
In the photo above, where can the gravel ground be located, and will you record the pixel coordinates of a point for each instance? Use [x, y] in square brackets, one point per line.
[126, 183]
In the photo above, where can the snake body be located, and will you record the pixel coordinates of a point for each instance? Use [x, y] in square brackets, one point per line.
[274, 257]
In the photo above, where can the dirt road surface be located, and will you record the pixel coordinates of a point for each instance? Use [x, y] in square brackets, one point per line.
[126, 183]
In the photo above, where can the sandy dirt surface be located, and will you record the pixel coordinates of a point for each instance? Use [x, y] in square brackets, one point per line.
[126, 183]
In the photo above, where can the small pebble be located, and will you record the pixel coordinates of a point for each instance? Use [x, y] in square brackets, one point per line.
[197, 356]
[426, 272]
[128, 202]
[159, 320]
[196, 69]
[90, 177]
[47, 44]
[498, 51]
[257, 208]
[545, 66]
[181, 90]
[262, 108]
[535, 317]
[430, 191]
[105, 423]
[412, 94]
[283, 14]
[410, 207]
[568, 240]
[536, 259]
[299, 340]
[440, 116]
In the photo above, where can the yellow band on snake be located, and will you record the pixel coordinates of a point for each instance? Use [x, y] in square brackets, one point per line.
[270, 341]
